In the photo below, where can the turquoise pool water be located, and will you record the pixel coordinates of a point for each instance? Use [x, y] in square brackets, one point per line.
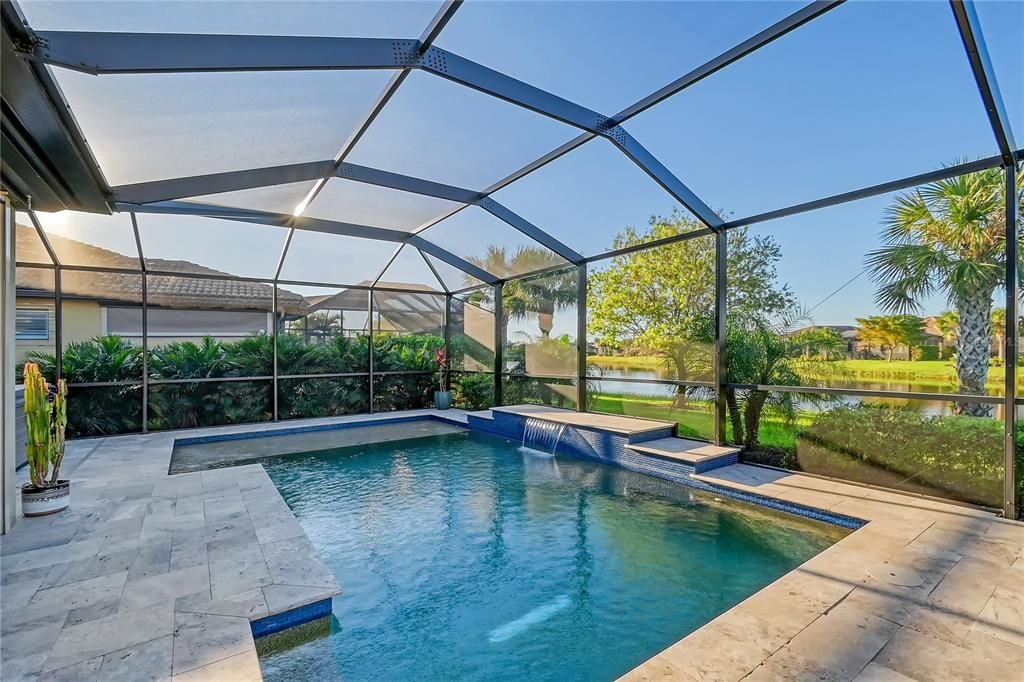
[464, 558]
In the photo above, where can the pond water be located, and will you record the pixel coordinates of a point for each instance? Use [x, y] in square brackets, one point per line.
[615, 380]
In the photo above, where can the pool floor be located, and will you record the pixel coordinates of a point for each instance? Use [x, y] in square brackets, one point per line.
[462, 557]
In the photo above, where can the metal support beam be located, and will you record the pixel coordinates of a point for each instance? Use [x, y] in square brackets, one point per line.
[721, 332]
[872, 191]
[141, 53]
[664, 177]
[217, 183]
[273, 342]
[444, 287]
[984, 76]
[369, 348]
[145, 324]
[166, 192]
[499, 343]
[102, 52]
[451, 259]
[1010, 502]
[581, 338]
[58, 299]
[755, 42]
[8, 380]
[313, 225]
[58, 323]
[770, 34]
[448, 339]
[406, 54]
[529, 229]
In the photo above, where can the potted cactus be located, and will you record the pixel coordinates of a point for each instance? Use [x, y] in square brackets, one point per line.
[442, 397]
[46, 416]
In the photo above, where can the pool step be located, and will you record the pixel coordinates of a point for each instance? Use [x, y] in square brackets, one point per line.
[701, 456]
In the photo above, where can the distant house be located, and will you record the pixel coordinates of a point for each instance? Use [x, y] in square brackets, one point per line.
[100, 303]
[181, 307]
[854, 348]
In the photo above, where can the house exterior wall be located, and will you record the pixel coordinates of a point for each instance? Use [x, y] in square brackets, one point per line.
[21, 347]
[82, 320]
[81, 323]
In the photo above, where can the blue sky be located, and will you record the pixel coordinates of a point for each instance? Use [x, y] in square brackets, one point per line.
[870, 92]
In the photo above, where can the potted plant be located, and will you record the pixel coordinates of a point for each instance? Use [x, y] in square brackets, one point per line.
[442, 397]
[46, 416]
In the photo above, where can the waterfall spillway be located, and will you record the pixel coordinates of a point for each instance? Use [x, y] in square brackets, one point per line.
[542, 435]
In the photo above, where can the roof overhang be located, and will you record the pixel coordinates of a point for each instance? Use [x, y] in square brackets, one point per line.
[43, 156]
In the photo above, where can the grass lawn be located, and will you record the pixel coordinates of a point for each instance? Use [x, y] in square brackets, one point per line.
[627, 361]
[923, 372]
[697, 419]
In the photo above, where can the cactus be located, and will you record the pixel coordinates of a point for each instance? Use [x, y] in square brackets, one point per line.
[46, 418]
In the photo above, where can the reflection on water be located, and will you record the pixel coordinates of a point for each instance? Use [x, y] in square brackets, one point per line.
[608, 383]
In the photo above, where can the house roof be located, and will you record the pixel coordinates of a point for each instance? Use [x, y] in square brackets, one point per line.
[162, 290]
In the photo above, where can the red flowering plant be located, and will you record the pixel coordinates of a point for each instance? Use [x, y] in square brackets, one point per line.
[443, 367]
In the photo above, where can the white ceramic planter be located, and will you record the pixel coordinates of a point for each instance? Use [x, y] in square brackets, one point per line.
[43, 501]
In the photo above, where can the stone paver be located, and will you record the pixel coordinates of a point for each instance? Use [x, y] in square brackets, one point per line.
[924, 592]
[151, 576]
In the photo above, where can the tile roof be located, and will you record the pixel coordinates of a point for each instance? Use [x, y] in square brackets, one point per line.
[163, 290]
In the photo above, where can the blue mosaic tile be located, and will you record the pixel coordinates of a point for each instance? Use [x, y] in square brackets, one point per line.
[287, 619]
[288, 430]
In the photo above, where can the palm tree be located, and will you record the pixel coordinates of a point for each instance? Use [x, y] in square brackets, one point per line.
[999, 330]
[948, 236]
[543, 295]
[762, 353]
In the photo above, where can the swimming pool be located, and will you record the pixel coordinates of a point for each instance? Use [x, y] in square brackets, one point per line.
[464, 557]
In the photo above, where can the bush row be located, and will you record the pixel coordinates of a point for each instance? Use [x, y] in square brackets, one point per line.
[950, 456]
[104, 410]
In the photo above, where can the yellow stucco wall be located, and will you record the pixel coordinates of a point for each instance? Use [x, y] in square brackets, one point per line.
[82, 320]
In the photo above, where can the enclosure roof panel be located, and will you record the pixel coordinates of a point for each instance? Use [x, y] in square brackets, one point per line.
[778, 128]
[280, 17]
[609, 55]
[466, 131]
[153, 126]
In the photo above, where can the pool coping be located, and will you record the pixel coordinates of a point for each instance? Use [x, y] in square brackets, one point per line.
[832, 616]
[923, 590]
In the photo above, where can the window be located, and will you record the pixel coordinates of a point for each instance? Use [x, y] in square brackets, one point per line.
[32, 324]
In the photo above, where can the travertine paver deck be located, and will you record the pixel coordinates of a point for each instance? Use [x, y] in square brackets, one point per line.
[151, 576]
[925, 591]
[607, 422]
[683, 450]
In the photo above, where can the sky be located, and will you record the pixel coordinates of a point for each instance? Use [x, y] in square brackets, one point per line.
[870, 92]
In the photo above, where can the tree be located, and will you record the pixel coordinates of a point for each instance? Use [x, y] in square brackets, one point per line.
[320, 325]
[823, 343]
[543, 295]
[948, 324]
[762, 353]
[663, 298]
[949, 236]
[998, 321]
[889, 332]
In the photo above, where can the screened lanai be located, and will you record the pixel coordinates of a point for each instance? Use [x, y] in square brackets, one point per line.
[295, 207]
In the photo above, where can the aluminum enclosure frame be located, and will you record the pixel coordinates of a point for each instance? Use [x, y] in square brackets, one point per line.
[106, 53]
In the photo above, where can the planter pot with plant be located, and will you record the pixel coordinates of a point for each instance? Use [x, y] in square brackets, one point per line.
[46, 418]
[442, 396]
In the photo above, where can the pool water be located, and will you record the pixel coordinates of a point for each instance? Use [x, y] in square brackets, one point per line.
[463, 557]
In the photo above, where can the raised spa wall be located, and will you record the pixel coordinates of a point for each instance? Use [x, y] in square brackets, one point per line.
[612, 447]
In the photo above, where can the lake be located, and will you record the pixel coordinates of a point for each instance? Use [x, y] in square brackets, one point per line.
[616, 380]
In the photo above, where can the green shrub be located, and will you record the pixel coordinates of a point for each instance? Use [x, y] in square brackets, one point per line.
[472, 391]
[950, 456]
[925, 353]
[108, 410]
